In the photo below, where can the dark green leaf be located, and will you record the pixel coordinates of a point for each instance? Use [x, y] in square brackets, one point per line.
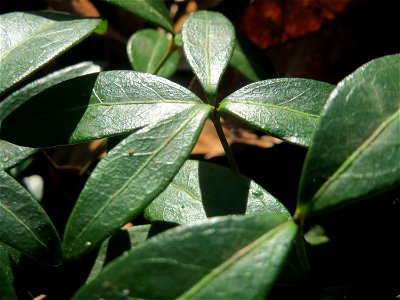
[355, 152]
[7, 290]
[24, 224]
[249, 60]
[149, 52]
[288, 108]
[31, 39]
[11, 154]
[208, 43]
[95, 106]
[210, 260]
[202, 190]
[152, 11]
[130, 177]
[116, 245]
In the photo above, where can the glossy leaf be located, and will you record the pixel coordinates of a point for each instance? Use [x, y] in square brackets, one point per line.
[96, 106]
[208, 43]
[11, 154]
[130, 177]
[355, 152]
[31, 39]
[288, 108]
[209, 260]
[152, 11]
[202, 190]
[149, 52]
[116, 245]
[249, 60]
[24, 224]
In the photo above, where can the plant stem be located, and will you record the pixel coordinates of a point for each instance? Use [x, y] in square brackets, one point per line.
[215, 118]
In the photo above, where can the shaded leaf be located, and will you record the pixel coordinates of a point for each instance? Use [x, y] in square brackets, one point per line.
[209, 260]
[11, 154]
[249, 60]
[116, 245]
[31, 39]
[149, 52]
[288, 108]
[7, 290]
[130, 177]
[208, 43]
[152, 11]
[95, 106]
[355, 152]
[202, 190]
[25, 226]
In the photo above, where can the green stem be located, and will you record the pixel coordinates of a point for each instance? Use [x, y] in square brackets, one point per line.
[215, 118]
[171, 49]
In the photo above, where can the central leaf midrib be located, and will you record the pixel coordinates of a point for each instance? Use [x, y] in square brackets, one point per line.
[134, 176]
[23, 225]
[358, 151]
[268, 105]
[241, 253]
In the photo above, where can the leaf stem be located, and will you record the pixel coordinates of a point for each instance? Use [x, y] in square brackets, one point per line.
[215, 118]
[171, 49]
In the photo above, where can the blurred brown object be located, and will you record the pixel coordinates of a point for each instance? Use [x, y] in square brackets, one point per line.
[271, 22]
[83, 8]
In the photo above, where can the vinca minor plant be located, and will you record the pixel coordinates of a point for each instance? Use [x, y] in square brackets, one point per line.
[230, 239]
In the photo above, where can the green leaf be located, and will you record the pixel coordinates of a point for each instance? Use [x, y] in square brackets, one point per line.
[149, 52]
[11, 154]
[355, 152]
[31, 39]
[209, 260]
[202, 190]
[208, 43]
[288, 108]
[130, 177]
[96, 106]
[152, 11]
[249, 60]
[24, 224]
[7, 290]
[117, 244]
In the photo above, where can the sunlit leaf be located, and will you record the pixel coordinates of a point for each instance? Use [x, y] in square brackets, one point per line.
[130, 177]
[210, 260]
[288, 108]
[208, 43]
[355, 152]
[202, 190]
[29, 40]
[96, 106]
